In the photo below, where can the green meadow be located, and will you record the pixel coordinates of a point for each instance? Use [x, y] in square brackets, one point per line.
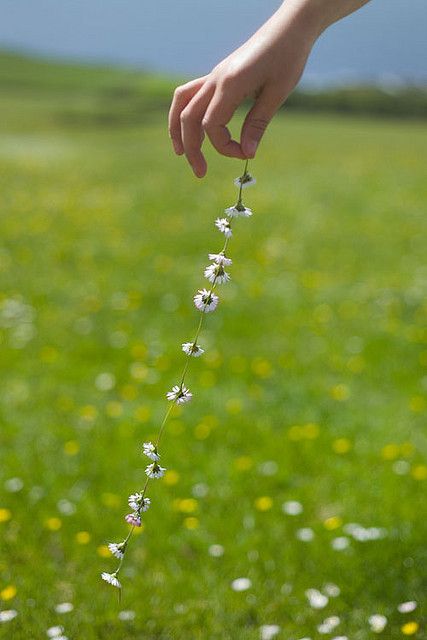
[300, 465]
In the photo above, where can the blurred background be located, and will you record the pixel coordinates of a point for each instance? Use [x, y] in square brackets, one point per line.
[294, 501]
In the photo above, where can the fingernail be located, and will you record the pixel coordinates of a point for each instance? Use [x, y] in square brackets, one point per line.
[177, 148]
[251, 147]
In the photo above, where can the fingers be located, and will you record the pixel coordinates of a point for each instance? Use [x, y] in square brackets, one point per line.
[218, 114]
[191, 129]
[181, 98]
[257, 121]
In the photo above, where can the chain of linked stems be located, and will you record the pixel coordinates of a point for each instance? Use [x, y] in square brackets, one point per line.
[238, 207]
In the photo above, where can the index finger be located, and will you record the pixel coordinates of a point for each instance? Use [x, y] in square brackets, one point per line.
[181, 97]
[218, 114]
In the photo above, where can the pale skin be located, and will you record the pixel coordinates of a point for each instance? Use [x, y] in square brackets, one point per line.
[266, 68]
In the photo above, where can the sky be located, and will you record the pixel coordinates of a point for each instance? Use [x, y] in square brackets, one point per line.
[384, 41]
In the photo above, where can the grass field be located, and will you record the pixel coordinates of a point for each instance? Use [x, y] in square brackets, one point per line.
[311, 397]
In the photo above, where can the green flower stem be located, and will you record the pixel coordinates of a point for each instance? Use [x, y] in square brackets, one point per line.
[184, 372]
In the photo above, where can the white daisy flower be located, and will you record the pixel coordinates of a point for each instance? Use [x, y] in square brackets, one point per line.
[220, 258]
[117, 549]
[192, 349]
[329, 624]
[407, 607]
[154, 470]
[241, 584]
[216, 550]
[292, 508]
[7, 615]
[332, 590]
[126, 615]
[150, 450]
[224, 226]
[269, 631]
[316, 599]
[145, 504]
[138, 503]
[64, 607]
[206, 301]
[180, 395]
[305, 534]
[54, 632]
[111, 578]
[377, 622]
[215, 273]
[238, 210]
[244, 181]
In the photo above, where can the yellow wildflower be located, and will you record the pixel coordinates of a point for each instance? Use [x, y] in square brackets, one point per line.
[8, 592]
[263, 503]
[409, 628]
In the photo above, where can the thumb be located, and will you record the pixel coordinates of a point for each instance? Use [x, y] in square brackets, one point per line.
[256, 122]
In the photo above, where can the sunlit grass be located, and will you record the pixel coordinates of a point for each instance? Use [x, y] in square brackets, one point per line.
[312, 390]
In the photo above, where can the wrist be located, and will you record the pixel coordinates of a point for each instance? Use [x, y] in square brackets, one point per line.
[317, 15]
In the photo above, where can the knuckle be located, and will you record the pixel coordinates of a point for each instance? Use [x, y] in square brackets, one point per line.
[225, 83]
[260, 124]
[185, 116]
[178, 91]
[207, 123]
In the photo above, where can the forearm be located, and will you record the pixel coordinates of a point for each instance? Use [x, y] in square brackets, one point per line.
[313, 16]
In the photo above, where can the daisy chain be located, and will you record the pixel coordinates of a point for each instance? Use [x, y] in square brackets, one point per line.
[205, 301]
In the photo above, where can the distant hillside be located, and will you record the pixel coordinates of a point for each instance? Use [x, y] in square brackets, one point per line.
[48, 93]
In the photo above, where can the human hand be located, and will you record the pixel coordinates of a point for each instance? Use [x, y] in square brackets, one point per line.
[266, 68]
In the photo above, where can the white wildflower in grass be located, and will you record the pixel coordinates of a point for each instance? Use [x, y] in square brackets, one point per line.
[216, 550]
[241, 584]
[292, 508]
[206, 301]
[126, 616]
[154, 470]
[192, 349]
[215, 273]
[331, 590]
[111, 578]
[64, 607]
[150, 450]
[316, 599]
[377, 622]
[238, 210]
[407, 607]
[269, 631]
[13, 485]
[329, 624]
[364, 534]
[305, 534]
[223, 224]
[7, 615]
[117, 549]
[220, 258]
[180, 395]
[246, 180]
[340, 543]
[55, 632]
